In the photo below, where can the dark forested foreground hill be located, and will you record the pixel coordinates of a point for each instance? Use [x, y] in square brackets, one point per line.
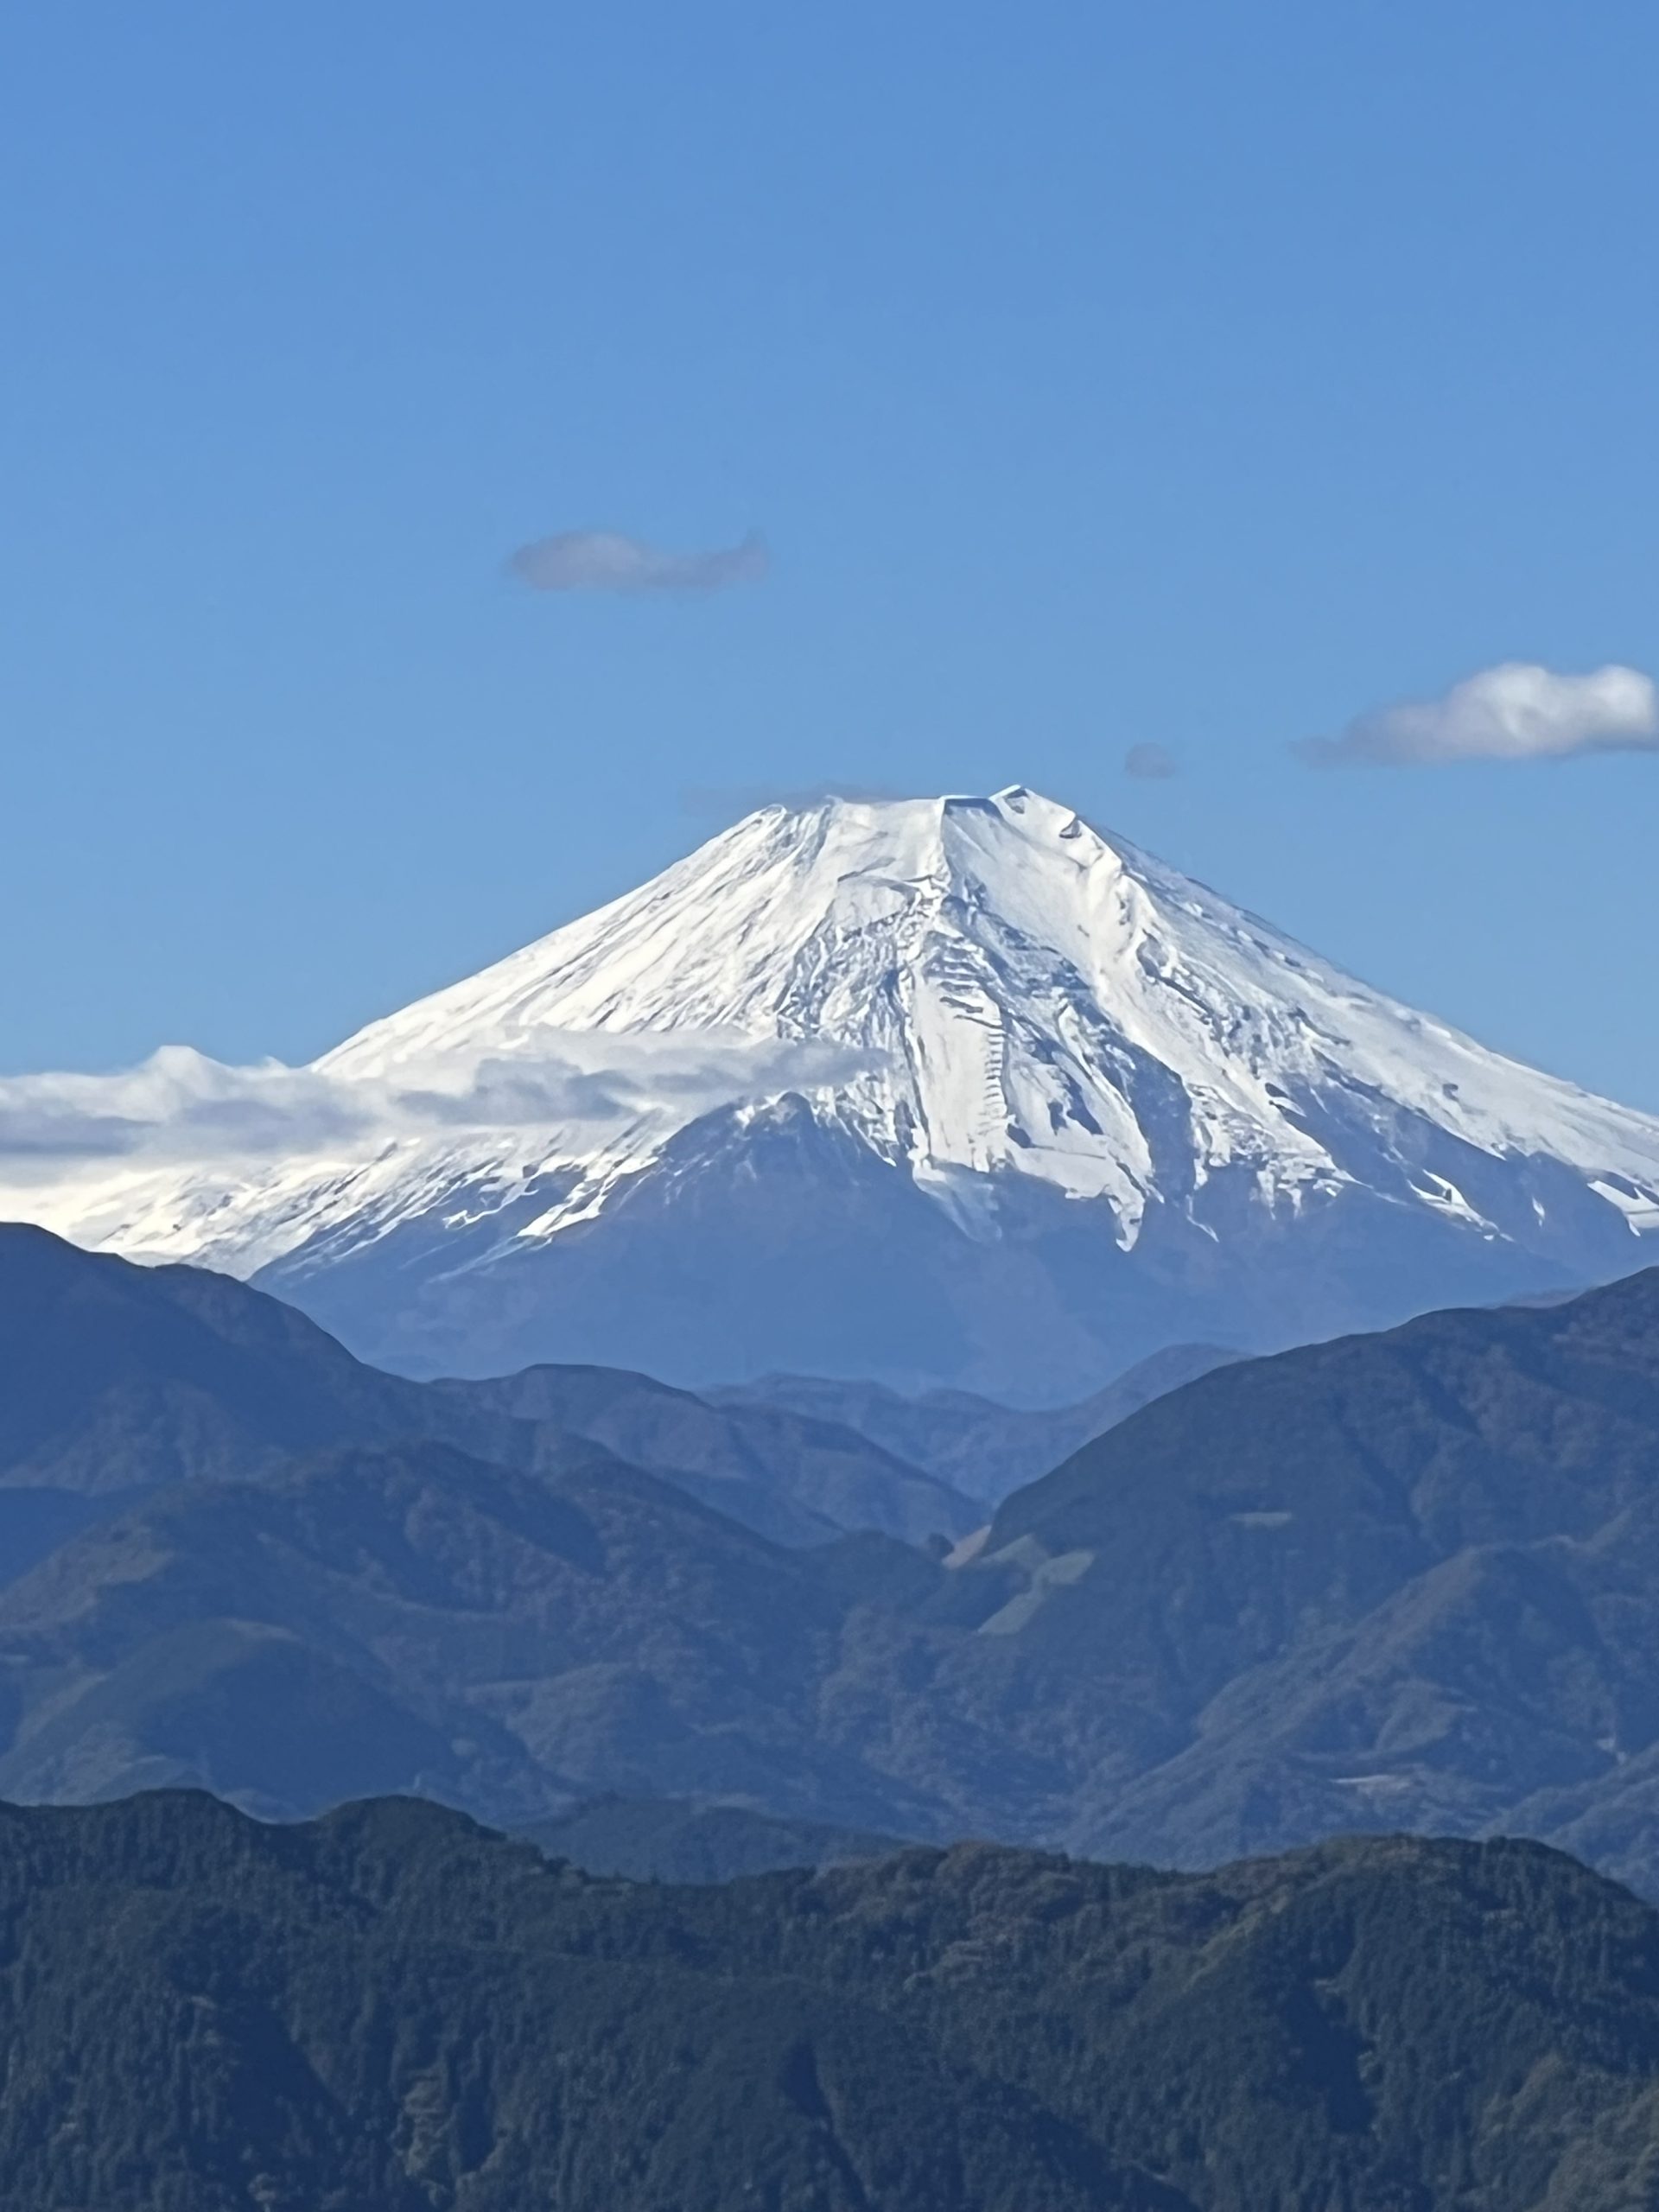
[676, 1840]
[392, 2011]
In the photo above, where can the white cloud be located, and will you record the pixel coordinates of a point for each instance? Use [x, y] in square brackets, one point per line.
[605, 560]
[177, 1103]
[181, 1107]
[1518, 711]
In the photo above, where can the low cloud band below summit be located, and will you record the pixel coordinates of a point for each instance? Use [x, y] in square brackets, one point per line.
[180, 1105]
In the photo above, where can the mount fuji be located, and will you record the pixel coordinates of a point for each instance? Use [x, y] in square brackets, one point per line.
[933, 1091]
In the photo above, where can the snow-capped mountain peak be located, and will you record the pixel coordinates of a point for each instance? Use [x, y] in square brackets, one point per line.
[1036, 1032]
[1015, 980]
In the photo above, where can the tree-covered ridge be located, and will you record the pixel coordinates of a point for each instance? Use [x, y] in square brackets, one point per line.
[679, 1840]
[389, 2010]
[1408, 1581]
[121, 1378]
[1400, 1582]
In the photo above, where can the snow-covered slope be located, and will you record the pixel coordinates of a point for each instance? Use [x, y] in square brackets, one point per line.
[946, 1089]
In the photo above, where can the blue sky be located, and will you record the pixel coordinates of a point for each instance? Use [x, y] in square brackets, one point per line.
[1202, 377]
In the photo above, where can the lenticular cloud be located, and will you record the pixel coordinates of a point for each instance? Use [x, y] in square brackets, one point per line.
[1518, 711]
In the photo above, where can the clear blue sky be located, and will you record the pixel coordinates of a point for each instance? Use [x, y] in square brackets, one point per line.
[1193, 375]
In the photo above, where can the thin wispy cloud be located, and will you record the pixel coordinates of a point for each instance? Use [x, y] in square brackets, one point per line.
[1518, 711]
[181, 1107]
[606, 560]
[1151, 763]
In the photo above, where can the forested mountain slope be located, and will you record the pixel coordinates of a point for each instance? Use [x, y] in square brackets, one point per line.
[392, 2008]
[119, 1378]
[1401, 1582]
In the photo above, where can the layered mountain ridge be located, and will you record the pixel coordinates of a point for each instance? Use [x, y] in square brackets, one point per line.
[1401, 1582]
[939, 1092]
